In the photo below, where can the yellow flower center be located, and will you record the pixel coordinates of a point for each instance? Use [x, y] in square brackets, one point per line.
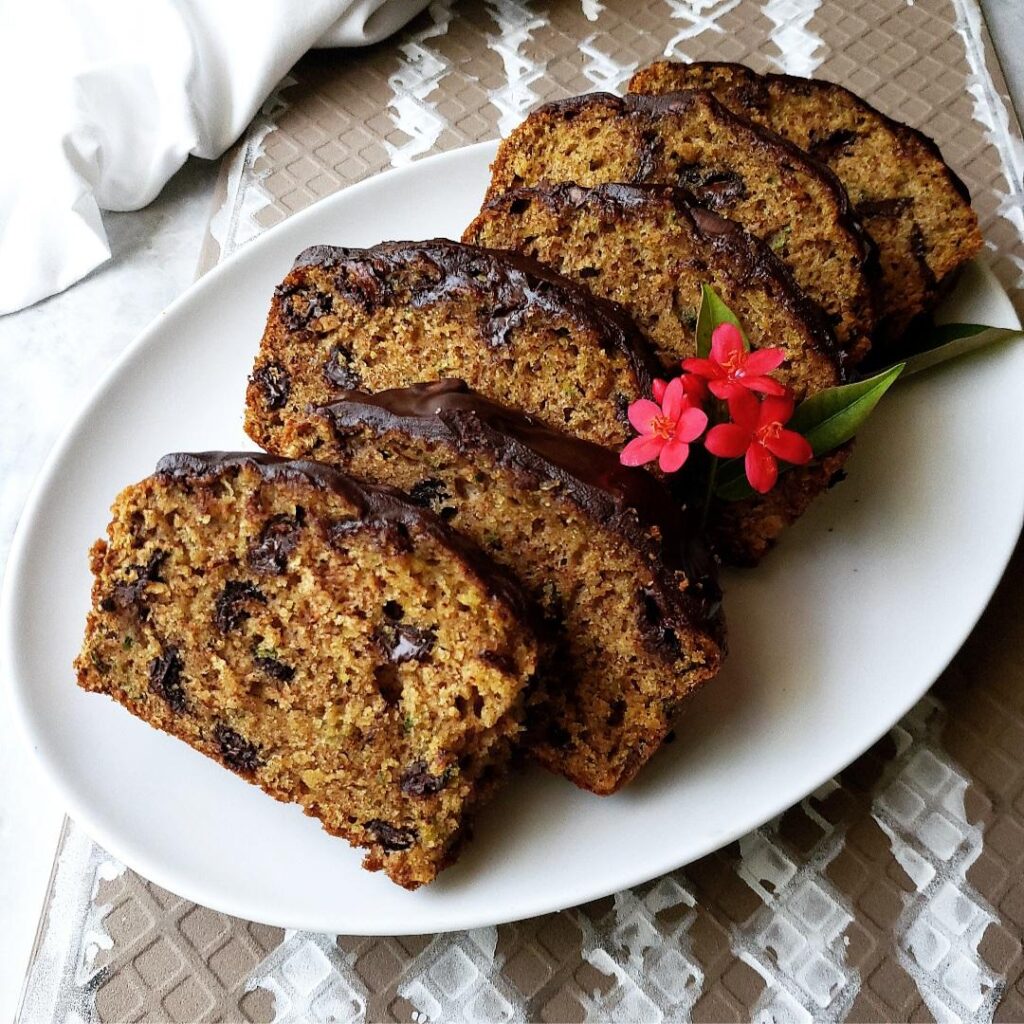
[663, 427]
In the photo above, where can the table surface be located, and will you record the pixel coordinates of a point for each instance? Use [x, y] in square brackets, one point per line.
[53, 355]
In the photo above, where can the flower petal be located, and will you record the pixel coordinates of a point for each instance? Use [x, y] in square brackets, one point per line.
[775, 409]
[726, 342]
[691, 424]
[764, 360]
[641, 412]
[761, 468]
[658, 389]
[763, 385]
[791, 446]
[727, 440]
[745, 409]
[673, 455]
[725, 388]
[672, 402]
[641, 450]
[703, 368]
[696, 388]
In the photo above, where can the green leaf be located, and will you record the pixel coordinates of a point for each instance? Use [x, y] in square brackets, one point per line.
[831, 417]
[713, 311]
[732, 481]
[952, 340]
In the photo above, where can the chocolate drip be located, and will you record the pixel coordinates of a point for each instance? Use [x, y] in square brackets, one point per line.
[630, 501]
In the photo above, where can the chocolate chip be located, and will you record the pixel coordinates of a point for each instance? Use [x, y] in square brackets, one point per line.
[721, 189]
[892, 207]
[653, 626]
[919, 247]
[649, 156]
[417, 781]
[165, 679]
[502, 662]
[273, 380]
[238, 753]
[401, 642]
[302, 304]
[338, 369]
[133, 593]
[276, 669]
[391, 837]
[229, 611]
[362, 285]
[825, 147]
[394, 611]
[277, 540]
[433, 493]
[518, 206]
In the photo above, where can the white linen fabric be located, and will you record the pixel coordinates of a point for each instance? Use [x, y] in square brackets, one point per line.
[103, 100]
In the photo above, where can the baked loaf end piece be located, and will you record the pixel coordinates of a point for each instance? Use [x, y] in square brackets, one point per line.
[628, 592]
[325, 639]
[914, 207]
[404, 312]
[650, 248]
[731, 165]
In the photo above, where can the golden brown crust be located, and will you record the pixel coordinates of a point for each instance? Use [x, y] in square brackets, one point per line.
[733, 166]
[912, 204]
[404, 312]
[650, 248]
[326, 640]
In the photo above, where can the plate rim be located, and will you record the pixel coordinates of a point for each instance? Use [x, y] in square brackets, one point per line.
[193, 889]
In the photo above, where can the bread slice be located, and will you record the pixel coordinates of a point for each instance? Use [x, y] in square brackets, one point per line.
[914, 207]
[601, 547]
[650, 248]
[403, 312]
[327, 640]
[731, 165]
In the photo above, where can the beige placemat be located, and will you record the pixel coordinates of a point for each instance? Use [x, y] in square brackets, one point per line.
[893, 893]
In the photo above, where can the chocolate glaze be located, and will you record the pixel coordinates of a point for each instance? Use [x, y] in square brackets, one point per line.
[377, 507]
[755, 83]
[651, 107]
[629, 501]
[509, 283]
[746, 257]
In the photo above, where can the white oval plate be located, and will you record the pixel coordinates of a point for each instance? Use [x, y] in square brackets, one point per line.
[840, 631]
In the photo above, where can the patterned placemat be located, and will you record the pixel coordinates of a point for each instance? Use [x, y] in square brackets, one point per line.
[895, 892]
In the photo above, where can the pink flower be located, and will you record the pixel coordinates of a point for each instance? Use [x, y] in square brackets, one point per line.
[666, 428]
[695, 388]
[732, 369]
[757, 433]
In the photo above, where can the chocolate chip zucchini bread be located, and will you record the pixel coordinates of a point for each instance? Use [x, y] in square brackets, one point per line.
[911, 203]
[404, 312]
[627, 590]
[650, 248]
[327, 640]
[732, 166]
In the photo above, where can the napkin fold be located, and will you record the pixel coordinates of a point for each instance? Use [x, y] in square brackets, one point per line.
[105, 99]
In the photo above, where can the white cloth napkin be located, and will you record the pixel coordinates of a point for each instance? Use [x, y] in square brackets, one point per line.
[103, 100]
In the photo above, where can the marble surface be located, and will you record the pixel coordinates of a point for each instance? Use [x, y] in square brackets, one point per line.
[53, 354]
